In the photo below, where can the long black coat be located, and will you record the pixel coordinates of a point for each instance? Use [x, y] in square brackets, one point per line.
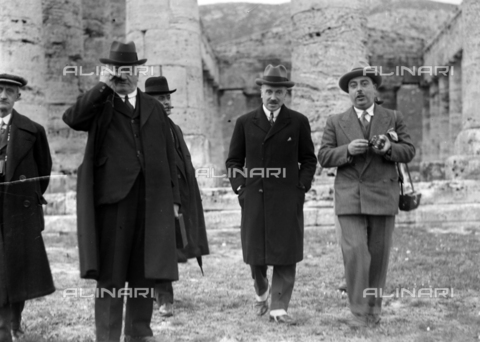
[93, 113]
[191, 206]
[24, 268]
[272, 208]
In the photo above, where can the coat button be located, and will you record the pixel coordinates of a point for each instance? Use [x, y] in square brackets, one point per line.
[23, 178]
[26, 203]
[178, 175]
[260, 190]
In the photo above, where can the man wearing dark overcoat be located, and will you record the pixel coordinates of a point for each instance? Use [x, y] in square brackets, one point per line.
[191, 202]
[25, 166]
[127, 196]
[274, 145]
[366, 188]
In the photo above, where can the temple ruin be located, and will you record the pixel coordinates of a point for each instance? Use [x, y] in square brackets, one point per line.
[317, 40]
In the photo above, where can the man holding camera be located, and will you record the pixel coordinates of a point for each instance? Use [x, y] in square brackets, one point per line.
[364, 143]
[127, 197]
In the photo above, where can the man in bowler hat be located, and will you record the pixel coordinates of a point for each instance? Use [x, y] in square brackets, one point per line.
[191, 202]
[272, 139]
[366, 188]
[127, 197]
[25, 166]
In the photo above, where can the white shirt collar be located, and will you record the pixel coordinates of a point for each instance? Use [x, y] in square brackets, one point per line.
[267, 113]
[369, 110]
[132, 97]
[6, 119]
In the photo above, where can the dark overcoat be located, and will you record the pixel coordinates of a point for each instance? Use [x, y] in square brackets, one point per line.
[93, 113]
[191, 201]
[272, 203]
[370, 186]
[24, 268]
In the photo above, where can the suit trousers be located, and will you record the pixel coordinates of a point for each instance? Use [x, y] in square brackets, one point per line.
[366, 241]
[283, 280]
[10, 319]
[122, 231]
[164, 292]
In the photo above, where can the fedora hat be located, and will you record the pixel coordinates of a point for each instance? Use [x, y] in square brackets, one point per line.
[361, 69]
[157, 86]
[275, 76]
[13, 80]
[123, 54]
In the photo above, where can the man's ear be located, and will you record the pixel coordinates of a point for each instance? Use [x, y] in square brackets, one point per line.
[19, 95]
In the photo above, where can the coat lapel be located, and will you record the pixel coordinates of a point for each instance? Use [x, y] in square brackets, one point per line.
[147, 104]
[260, 120]
[283, 120]
[22, 136]
[350, 125]
[120, 106]
[380, 121]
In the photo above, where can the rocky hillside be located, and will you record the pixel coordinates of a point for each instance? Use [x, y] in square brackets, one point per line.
[226, 22]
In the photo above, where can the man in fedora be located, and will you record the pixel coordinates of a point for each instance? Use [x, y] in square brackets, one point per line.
[127, 197]
[366, 188]
[191, 202]
[25, 166]
[277, 141]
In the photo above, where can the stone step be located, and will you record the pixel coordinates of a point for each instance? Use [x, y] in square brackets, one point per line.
[440, 216]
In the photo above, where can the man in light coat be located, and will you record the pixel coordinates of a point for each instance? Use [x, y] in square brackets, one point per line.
[366, 188]
[274, 145]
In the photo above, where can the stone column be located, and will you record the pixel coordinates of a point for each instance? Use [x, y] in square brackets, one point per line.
[63, 41]
[22, 53]
[455, 95]
[328, 38]
[432, 166]
[465, 164]
[168, 34]
[443, 118]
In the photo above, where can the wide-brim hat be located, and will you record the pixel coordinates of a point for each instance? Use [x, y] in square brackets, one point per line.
[275, 76]
[123, 54]
[157, 86]
[13, 80]
[361, 69]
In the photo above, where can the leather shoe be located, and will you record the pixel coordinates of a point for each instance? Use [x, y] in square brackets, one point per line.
[356, 321]
[261, 306]
[284, 319]
[342, 288]
[374, 319]
[166, 310]
[17, 334]
[140, 339]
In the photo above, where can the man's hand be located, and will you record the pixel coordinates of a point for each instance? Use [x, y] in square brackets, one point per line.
[176, 207]
[358, 146]
[384, 149]
[107, 78]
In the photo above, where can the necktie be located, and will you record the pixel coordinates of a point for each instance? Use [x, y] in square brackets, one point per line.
[129, 105]
[3, 129]
[363, 119]
[271, 119]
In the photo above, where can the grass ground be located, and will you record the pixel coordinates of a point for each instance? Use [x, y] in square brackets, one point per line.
[218, 306]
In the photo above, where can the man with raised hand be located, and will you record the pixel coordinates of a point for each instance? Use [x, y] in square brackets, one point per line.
[127, 196]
